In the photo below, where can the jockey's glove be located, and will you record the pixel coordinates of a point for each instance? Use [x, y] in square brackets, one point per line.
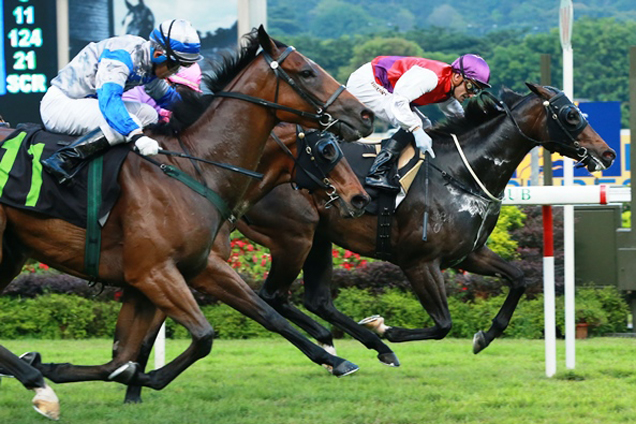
[147, 146]
[423, 141]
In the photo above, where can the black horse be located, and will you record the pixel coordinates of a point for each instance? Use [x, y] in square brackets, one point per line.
[45, 401]
[463, 209]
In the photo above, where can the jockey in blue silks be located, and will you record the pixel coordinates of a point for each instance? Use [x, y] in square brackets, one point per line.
[85, 98]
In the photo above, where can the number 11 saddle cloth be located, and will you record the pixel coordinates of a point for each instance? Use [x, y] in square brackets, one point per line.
[25, 185]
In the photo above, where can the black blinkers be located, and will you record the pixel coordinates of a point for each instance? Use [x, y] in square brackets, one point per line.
[565, 117]
[318, 154]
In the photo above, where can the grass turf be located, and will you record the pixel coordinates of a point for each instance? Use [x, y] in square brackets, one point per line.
[269, 381]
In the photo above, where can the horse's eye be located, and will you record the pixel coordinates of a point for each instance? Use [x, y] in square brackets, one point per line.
[328, 151]
[306, 73]
[572, 117]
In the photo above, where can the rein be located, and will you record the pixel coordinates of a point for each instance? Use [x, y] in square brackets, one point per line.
[555, 109]
[229, 167]
[323, 118]
[551, 107]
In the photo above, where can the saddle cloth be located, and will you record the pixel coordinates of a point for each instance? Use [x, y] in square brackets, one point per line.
[25, 185]
[361, 155]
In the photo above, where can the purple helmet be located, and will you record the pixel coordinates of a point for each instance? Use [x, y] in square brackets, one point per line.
[473, 67]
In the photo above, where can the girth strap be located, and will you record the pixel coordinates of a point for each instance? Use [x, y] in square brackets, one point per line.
[385, 216]
[93, 230]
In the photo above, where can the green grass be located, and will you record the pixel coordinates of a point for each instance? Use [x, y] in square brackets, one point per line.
[269, 381]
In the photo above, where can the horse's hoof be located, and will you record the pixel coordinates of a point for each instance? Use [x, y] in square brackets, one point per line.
[136, 399]
[32, 358]
[389, 359]
[125, 373]
[345, 368]
[479, 342]
[375, 323]
[46, 402]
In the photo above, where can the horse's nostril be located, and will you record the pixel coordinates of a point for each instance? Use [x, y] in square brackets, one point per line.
[367, 115]
[609, 155]
[360, 201]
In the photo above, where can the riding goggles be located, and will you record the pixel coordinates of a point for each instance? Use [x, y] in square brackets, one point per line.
[472, 87]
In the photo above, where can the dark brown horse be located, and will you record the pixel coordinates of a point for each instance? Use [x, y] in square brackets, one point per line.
[494, 138]
[45, 401]
[278, 168]
[159, 234]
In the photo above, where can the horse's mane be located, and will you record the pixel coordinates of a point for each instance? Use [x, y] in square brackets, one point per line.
[479, 110]
[192, 104]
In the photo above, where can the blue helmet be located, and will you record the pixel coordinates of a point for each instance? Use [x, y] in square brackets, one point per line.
[179, 40]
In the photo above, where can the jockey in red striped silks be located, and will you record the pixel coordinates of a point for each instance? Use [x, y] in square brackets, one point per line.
[393, 86]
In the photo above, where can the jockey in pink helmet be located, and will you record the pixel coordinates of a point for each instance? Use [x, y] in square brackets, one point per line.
[392, 86]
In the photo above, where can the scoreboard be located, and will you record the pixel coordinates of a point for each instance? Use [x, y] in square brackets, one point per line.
[29, 57]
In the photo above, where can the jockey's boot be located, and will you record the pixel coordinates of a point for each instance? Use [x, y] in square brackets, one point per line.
[379, 173]
[67, 161]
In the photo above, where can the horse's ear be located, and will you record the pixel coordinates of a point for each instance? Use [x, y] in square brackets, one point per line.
[265, 41]
[539, 91]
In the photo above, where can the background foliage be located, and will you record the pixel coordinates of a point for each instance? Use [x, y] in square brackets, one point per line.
[601, 46]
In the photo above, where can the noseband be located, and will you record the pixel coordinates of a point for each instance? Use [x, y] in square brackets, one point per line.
[321, 116]
[563, 118]
[318, 153]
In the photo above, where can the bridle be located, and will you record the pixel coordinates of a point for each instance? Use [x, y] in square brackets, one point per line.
[318, 153]
[321, 116]
[563, 118]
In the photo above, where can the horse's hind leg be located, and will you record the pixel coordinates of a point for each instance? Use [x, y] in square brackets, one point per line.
[317, 275]
[427, 282]
[12, 256]
[133, 392]
[165, 287]
[45, 400]
[485, 262]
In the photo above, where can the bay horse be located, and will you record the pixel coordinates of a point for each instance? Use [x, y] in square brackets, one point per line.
[494, 137]
[45, 400]
[158, 236]
[279, 167]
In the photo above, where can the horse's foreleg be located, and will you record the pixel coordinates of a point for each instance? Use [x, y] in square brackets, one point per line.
[427, 282]
[317, 275]
[485, 262]
[220, 280]
[165, 287]
[133, 393]
[133, 322]
[288, 257]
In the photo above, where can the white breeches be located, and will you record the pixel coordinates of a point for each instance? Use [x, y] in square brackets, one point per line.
[392, 109]
[64, 115]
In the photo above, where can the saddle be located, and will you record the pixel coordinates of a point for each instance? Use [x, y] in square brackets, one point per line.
[361, 155]
[24, 184]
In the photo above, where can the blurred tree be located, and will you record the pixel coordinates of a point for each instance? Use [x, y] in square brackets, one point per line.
[367, 51]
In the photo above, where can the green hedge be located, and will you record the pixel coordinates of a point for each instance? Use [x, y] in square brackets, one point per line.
[58, 316]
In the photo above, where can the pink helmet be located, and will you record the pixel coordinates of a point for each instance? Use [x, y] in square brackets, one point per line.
[189, 77]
